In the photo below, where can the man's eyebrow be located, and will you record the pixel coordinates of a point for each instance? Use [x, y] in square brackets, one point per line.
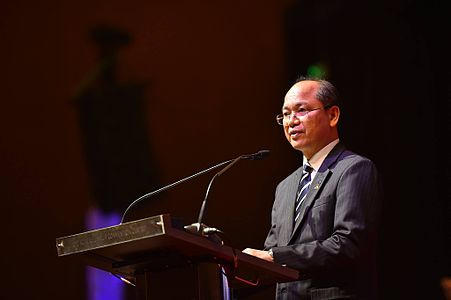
[297, 105]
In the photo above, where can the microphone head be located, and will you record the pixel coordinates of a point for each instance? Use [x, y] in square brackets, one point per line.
[257, 156]
[262, 154]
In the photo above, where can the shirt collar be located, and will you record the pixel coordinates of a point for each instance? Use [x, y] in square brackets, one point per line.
[318, 158]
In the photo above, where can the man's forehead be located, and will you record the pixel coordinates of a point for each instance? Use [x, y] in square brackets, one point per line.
[301, 93]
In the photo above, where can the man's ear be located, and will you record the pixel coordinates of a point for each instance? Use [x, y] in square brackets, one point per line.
[334, 115]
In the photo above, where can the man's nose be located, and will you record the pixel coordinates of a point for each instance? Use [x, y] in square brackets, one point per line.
[293, 120]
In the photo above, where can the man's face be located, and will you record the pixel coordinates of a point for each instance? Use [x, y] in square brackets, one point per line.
[310, 132]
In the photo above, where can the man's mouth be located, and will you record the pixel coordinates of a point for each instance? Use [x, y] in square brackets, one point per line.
[295, 133]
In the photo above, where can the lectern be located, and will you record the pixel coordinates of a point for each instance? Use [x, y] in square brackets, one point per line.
[166, 260]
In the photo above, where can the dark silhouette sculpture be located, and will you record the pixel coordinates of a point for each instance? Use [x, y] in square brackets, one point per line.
[113, 125]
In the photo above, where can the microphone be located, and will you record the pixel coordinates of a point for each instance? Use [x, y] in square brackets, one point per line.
[258, 155]
[200, 228]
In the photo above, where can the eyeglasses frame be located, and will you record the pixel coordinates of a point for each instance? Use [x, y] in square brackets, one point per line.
[280, 117]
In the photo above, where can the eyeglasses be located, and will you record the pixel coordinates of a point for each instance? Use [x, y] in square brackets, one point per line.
[286, 117]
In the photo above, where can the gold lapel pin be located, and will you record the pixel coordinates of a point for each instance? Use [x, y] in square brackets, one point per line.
[317, 185]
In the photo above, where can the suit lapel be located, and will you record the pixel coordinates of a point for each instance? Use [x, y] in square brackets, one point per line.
[315, 187]
[288, 209]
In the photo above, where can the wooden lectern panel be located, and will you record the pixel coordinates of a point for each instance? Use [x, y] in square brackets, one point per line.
[154, 244]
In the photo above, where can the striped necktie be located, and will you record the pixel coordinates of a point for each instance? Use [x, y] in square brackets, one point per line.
[304, 185]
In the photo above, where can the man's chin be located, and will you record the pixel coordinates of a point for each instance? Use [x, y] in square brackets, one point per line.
[296, 145]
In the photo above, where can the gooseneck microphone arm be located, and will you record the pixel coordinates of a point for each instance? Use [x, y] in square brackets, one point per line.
[204, 203]
[148, 195]
[198, 227]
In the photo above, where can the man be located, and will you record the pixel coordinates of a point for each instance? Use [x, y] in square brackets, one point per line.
[326, 227]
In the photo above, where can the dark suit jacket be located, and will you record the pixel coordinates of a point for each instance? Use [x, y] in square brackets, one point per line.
[334, 240]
